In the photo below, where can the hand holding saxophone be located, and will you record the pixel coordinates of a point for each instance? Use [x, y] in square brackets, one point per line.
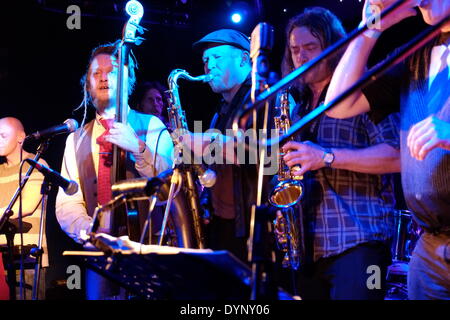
[308, 155]
[200, 144]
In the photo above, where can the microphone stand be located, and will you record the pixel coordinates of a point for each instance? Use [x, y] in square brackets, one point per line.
[174, 180]
[9, 229]
[148, 221]
[260, 254]
[37, 252]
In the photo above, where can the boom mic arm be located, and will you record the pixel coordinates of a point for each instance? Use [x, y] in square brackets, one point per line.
[70, 125]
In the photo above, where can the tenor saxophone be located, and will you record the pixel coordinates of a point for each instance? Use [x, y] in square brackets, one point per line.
[187, 216]
[177, 116]
[286, 194]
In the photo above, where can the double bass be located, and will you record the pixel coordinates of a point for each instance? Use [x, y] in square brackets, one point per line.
[125, 218]
[183, 226]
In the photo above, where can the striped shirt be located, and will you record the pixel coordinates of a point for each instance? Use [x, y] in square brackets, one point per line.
[8, 186]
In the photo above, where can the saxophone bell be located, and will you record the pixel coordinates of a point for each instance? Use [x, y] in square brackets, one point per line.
[286, 193]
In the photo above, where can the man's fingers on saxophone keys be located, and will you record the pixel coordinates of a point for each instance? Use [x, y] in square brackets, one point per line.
[300, 172]
[292, 158]
[291, 146]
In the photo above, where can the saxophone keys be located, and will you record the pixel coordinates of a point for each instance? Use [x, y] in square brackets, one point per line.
[286, 261]
[293, 169]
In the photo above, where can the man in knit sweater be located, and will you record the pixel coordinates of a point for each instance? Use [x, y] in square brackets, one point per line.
[12, 135]
[420, 86]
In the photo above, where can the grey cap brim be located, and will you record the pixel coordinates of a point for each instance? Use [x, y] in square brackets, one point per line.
[223, 37]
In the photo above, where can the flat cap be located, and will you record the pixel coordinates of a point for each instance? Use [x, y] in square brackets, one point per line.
[224, 36]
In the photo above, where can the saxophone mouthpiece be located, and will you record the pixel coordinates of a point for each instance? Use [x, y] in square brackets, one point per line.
[207, 77]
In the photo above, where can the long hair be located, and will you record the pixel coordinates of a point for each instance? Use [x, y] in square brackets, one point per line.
[323, 25]
[111, 49]
[143, 88]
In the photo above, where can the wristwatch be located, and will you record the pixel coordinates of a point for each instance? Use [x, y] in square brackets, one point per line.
[328, 157]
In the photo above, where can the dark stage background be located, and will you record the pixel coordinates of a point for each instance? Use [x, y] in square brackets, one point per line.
[42, 62]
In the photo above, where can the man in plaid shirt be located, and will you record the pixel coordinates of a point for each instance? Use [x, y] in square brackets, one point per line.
[349, 200]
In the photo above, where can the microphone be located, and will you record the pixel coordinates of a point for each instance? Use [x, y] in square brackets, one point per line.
[70, 125]
[70, 187]
[207, 177]
[141, 187]
[261, 43]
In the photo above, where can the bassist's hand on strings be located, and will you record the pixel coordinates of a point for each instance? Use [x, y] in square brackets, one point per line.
[124, 137]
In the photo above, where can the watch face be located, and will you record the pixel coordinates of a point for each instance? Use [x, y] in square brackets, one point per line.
[328, 158]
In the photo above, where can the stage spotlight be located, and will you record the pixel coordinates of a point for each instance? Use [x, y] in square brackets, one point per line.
[236, 17]
[239, 12]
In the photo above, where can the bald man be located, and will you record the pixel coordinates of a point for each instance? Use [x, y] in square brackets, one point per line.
[12, 136]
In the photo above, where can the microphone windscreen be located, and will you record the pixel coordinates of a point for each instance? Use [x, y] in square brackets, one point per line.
[72, 188]
[72, 124]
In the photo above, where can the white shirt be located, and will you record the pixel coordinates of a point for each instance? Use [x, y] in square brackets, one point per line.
[437, 54]
[71, 210]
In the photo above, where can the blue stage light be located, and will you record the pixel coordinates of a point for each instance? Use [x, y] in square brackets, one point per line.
[236, 17]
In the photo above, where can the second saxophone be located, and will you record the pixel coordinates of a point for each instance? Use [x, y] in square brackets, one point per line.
[286, 195]
[289, 190]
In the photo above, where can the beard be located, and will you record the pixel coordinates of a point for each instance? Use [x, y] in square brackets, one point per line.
[317, 74]
[103, 100]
